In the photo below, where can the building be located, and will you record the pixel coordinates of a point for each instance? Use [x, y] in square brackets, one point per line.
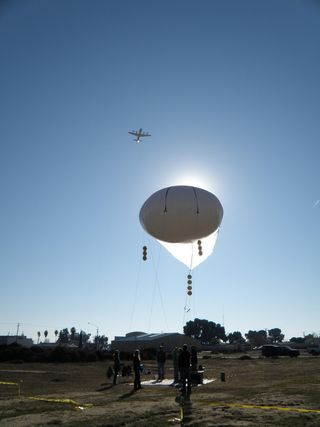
[18, 339]
[142, 341]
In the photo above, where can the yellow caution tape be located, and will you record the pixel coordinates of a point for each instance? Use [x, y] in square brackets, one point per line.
[66, 401]
[8, 383]
[12, 383]
[267, 407]
[45, 399]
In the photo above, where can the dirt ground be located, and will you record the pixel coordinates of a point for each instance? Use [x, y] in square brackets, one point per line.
[256, 392]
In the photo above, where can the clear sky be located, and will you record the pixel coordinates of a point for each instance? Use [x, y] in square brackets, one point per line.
[230, 92]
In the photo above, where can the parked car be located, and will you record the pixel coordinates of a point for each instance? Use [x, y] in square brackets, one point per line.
[272, 350]
[315, 351]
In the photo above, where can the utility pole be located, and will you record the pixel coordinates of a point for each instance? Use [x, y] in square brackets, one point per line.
[97, 343]
[18, 326]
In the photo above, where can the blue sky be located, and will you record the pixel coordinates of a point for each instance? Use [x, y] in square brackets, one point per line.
[230, 92]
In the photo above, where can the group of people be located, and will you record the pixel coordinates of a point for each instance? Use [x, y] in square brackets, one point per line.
[136, 368]
[184, 362]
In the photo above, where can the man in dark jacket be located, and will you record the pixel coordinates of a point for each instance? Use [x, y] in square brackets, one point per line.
[136, 370]
[161, 359]
[184, 368]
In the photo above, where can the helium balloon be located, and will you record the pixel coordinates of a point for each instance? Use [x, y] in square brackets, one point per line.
[183, 219]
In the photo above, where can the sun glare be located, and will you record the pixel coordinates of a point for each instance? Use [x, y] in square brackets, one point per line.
[194, 176]
[192, 180]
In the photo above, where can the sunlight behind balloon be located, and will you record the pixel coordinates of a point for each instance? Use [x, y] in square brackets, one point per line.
[192, 180]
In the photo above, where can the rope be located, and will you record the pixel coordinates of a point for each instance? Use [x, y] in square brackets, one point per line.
[165, 200]
[155, 287]
[135, 293]
[196, 196]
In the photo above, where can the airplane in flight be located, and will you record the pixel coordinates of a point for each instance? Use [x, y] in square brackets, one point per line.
[139, 134]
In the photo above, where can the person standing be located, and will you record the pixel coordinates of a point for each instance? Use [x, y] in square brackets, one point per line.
[184, 368]
[175, 359]
[194, 359]
[161, 359]
[136, 370]
[116, 366]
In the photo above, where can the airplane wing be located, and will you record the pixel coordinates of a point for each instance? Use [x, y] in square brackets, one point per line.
[139, 134]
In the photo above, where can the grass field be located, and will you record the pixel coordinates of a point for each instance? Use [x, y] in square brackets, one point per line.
[280, 392]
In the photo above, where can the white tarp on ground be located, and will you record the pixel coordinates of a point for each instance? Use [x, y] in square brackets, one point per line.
[172, 383]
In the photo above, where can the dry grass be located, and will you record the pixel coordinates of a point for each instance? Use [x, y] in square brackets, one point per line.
[277, 383]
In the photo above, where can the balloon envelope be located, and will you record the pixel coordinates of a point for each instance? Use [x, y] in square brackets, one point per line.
[179, 216]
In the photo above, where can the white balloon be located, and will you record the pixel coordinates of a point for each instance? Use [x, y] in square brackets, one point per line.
[181, 214]
[181, 218]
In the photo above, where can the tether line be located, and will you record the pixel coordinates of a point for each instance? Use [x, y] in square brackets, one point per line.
[155, 286]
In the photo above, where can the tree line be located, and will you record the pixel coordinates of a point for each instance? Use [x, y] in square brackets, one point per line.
[208, 332]
[76, 338]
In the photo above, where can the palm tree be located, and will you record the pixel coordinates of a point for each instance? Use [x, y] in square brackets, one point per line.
[45, 334]
[39, 335]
